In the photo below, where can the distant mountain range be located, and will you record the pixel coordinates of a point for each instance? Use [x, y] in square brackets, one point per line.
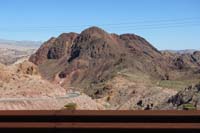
[185, 51]
[12, 51]
[12, 44]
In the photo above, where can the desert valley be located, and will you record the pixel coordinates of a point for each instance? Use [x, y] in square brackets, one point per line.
[97, 70]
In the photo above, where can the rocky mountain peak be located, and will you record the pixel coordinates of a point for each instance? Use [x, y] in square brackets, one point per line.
[130, 37]
[94, 32]
[54, 48]
[67, 36]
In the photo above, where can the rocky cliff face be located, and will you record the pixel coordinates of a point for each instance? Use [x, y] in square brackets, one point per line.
[54, 48]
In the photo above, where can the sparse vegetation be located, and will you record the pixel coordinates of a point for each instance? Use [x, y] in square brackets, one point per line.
[175, 84]
[108, 98]
[189, 107]
[70, 106]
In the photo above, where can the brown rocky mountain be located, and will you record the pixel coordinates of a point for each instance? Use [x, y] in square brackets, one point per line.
[115, 68]
[95, 56]
[54, 48]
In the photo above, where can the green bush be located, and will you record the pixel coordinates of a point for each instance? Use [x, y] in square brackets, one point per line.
[70, 106]
[189, 107]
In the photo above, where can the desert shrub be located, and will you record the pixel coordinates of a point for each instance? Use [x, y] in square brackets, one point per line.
[189, 107]
[70, 106]
[108, 98]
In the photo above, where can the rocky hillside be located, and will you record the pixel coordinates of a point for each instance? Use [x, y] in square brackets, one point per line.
[54, 48]
[22, 88]
[23, 80]
[116, 69]
[188, 99]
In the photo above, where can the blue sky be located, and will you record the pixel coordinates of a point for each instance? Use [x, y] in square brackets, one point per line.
[167, 24]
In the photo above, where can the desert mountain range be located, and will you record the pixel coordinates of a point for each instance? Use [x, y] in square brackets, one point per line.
[118, 72]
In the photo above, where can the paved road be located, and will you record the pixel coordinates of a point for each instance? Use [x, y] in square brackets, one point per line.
[69, 95]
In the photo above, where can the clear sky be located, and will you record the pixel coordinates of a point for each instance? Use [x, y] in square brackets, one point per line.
[167, 24]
